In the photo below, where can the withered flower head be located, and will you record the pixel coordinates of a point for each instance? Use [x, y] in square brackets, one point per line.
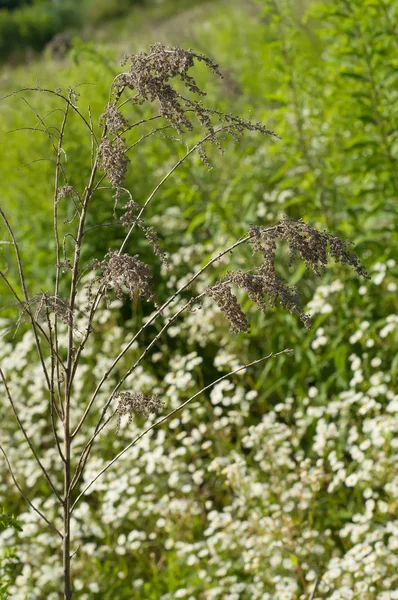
[229, 306]
[113, 119]
[113, 160]
[130, 218]
[263, 284]
[138, 403]
[313, 246]
[64, 191]
[151, 76]
[125, 272]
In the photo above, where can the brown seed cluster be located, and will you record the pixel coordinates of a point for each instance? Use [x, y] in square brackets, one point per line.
[113, 119]
[130, 403]
[64, 191]
[150, 77]
[265, 286]
[313, 246]
[126, 274]
[113, 160]
[229, 306]
[130, 218]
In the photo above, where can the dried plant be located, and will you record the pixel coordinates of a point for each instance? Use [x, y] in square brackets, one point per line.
[124, 272]
[130, 403]
[157, 78]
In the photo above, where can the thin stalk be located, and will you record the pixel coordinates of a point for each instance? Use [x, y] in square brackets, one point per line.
[66, 518]
[26, 497]
[58, 168]
[27, 438]
[26, 296]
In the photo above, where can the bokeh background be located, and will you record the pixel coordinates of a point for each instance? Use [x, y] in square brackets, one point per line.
[288, 472]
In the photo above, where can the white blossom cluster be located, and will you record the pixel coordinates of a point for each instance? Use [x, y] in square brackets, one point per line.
[241, 495]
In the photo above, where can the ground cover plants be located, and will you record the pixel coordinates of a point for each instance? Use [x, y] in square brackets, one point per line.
[279, 482]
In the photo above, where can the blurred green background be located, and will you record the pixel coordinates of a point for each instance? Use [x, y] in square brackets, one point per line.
[324, 76]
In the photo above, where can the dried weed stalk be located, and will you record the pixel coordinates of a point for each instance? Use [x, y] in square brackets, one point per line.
[161, 77]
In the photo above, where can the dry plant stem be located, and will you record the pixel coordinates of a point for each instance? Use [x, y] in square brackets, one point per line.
[27, 438]
[172, 413]
[58, 95]
[30, 129]
[149, 322]
[58, 167]
[31, 162]
[316, 584]
[53, 403]
[68, 387]
[143, 137]
[69, 373]
[92, 138]
[25, 497]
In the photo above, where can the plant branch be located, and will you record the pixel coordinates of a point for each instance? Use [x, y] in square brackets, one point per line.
[26, 498]
[59, 95]
[316, 584]
[26, 296]
[27, 438]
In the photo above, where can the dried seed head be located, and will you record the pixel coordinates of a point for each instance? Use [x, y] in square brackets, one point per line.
[130, 218]
[151, 77]
[125, 272]
[130, 403]
[152, 238]
[113, 160]
[64, 191]
[253, 284]
[263, 284]
[229, 306]
[113, 119]
[313, 246]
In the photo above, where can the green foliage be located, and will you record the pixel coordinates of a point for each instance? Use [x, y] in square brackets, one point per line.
[98, 11]
[326, 82]
[7, 520]
[13, 4]
[32, 26]
[8, 556]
